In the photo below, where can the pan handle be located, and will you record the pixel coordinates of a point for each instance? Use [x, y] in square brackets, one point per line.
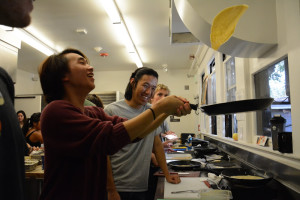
[194, 106]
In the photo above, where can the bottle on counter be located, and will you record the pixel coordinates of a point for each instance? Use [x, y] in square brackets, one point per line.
[277, 125]
[188, 143]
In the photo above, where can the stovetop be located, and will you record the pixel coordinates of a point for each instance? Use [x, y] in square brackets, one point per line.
[216, 163]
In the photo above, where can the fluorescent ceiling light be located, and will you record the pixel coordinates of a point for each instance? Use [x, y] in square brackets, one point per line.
[34, 42]
[37, 34]
[33, 38]
[111, 7]
[112, 11]
[136, 58]
[6, 28]
[125, 37]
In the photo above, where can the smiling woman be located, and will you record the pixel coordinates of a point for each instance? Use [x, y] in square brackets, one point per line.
[84, 136]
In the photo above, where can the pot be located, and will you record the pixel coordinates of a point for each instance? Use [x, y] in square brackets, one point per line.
[231, 176]
[184, 165]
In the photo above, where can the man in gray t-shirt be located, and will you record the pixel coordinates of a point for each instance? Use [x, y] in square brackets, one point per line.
[130, 166]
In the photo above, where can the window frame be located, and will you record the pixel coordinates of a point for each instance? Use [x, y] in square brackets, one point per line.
[265, 130]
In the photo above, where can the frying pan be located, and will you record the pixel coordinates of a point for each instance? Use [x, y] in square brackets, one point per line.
[246, 183]
[184, 165]
[200, 150]
[235, 106]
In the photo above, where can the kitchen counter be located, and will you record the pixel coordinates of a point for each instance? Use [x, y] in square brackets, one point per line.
[37, 173]
[34, 183]
[272, 190]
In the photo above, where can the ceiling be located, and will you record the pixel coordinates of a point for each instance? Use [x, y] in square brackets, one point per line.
[147, 21]
[163, 35]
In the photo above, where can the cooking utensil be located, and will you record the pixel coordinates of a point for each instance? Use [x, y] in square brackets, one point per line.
[205, 150]
[187, 183]
[229, 174]
[197, 141]
[184, 165]
[192, 191]
[235, 106]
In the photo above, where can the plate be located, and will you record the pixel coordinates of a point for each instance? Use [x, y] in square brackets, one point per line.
[237, 106]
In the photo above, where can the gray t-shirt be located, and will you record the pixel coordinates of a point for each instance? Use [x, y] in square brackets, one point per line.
[131, 164]
[164, 128]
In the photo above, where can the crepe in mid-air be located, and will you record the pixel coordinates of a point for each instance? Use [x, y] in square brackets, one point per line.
[224, 24]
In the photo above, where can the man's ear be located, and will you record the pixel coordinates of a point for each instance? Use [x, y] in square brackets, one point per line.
[132, 82]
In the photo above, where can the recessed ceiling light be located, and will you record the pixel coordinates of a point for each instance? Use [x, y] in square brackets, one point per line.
[98, 49]
[81, 31]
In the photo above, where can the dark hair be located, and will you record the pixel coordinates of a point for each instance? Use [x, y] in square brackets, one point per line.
[52, 71]
[137, 75]
[35, 118]
[23, 113]
[95, 99]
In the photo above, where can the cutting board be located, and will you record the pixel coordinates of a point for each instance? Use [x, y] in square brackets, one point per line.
[187, 183]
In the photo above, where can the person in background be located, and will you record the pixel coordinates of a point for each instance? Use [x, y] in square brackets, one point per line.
[15, 13]
[131, 164]
[160, 92]
[23, 121]
[24, 125]
[95, 99]
[12, 143]
[78, 139]
[34, 136]
[88, 103]
[21, 117]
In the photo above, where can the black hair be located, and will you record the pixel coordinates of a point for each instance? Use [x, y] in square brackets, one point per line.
[52, 71]
[23, 113]
[35, 118]
[96, 100]
[137, 75]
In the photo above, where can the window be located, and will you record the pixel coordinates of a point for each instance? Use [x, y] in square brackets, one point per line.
[230, 120]
[212, 95]
[203, 97]
[230, 79]
[273, 82]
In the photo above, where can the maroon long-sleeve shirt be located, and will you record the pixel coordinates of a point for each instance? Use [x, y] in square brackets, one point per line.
[76, 146]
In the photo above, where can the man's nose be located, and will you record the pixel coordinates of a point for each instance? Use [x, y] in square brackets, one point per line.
[148, 90]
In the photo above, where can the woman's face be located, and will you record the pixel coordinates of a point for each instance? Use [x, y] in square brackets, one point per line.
[160, 94]
[80, 76]
[20, 117]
